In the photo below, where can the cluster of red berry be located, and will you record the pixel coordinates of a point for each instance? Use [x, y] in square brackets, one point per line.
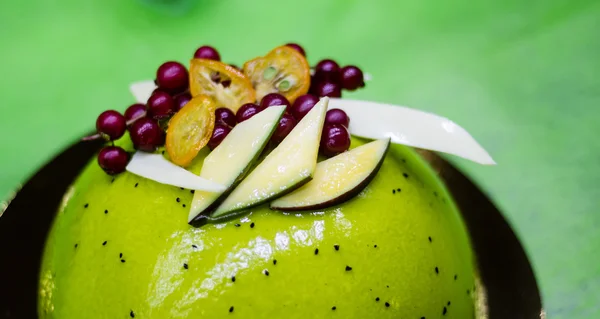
[145, 123]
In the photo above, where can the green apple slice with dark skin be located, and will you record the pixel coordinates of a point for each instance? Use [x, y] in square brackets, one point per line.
[289, 166]
[337, 179]
[230, 162]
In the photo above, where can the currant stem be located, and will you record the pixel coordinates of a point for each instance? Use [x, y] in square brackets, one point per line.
[92, 137]
[135, 118]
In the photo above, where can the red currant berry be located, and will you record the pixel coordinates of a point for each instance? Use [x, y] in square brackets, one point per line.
[334, 140]
[146, 134]
[135, 111]
[225, 116]
[111, 124]
[172, 76]
[113, 159]
[219, 133]
[303, 105]
[207, 52]
[247, 111]
[297, 47]
[337, 116]
[352, 78]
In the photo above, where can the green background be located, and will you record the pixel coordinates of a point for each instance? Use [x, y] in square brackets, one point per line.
[521, 76]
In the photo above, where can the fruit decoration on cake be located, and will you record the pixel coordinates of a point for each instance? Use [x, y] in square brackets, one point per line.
[263, 157]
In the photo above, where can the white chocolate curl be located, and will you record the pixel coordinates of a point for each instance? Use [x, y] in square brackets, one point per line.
[157, 168]
[401, 124]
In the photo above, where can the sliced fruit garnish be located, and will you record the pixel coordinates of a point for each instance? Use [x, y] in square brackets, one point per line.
[286, 168]
[229, 162]
[283, 70]
[228, 86]
[190, 129]
[337, 179]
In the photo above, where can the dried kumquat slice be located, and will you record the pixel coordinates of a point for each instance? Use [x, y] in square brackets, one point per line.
[190, 129]
[228, 86]
[283, 70]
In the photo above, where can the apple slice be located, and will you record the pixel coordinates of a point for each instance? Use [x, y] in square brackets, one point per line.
[337, 179]
[229, 163]
[286, 168]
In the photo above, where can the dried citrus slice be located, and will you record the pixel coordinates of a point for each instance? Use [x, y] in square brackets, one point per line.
[283, 70]
[228, 86]
[190, 129]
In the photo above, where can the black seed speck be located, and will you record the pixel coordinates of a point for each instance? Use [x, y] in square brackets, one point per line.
[448, 303]
[374, 246]
[232, 278]
[387, 304]
[121, 255]
[136, 185]
[112, 180]
[181, 188]
[437, 271]
[104, 243]
[86, 205]
[430, 240]
[435, 194]
[194, 246]
[178, 199]
[185, 266]
[237, 225]
[266, 272]
[455, 277]
[377, 299]
[468, 291]
[444, 311]
[316, 251]
[337, 247]
[231, 309]
[405, 175]
[132, 314]
[192, 191]
[398, 190]
[122, 260]
[348, 268]
[76, 245]
[387, 286]
[333, 308]
[252, 225]
[163, 152]
[422, 317]
[393, 191]
[183, 205]
[106, 211]
[274, 261]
